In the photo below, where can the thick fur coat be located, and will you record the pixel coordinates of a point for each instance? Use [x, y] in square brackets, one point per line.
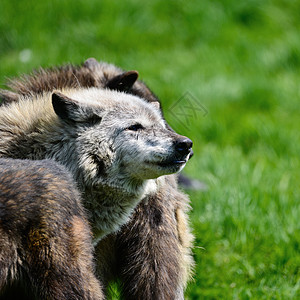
[45, 239]
[152, 252]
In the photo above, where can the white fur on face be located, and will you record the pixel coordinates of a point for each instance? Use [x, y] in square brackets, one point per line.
[114, 148]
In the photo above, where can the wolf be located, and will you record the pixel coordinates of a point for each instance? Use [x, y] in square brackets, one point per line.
[152, 252]
[45, 239]
[116, 146]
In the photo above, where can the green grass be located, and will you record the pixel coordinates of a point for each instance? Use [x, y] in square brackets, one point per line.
[241, 61]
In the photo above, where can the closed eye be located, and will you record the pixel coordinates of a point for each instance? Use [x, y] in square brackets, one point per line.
[135, 127]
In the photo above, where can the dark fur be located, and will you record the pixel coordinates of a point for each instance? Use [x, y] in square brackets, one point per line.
[90, 74]
[45, 241]
[157, 265]
[152, 253]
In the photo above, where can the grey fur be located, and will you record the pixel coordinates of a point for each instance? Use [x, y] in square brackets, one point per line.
[158, 232]
[129, 159]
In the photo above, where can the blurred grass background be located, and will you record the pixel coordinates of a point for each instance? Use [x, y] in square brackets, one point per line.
[240, 60]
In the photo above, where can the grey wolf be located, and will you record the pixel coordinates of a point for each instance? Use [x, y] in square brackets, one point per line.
[152, 252]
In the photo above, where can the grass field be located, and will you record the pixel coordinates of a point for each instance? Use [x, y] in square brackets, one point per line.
[239, 61]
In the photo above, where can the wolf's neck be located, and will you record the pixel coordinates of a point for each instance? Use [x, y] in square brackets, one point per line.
[110, 207]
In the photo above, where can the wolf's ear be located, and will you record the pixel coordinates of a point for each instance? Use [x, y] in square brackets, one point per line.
[91, 63]
[64, 107]
[8, 96]
[123, 82]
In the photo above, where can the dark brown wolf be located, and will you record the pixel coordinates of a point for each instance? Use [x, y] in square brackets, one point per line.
[45, 240]
[152, 252]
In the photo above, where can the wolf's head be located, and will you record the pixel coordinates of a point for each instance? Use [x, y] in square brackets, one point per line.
[120, 136]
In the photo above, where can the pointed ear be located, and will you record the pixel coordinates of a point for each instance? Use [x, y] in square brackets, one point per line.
[123, 82]
[64, 107]
[91, 63]
[8, 96]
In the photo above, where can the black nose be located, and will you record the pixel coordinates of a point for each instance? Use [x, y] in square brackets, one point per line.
[183, 145]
